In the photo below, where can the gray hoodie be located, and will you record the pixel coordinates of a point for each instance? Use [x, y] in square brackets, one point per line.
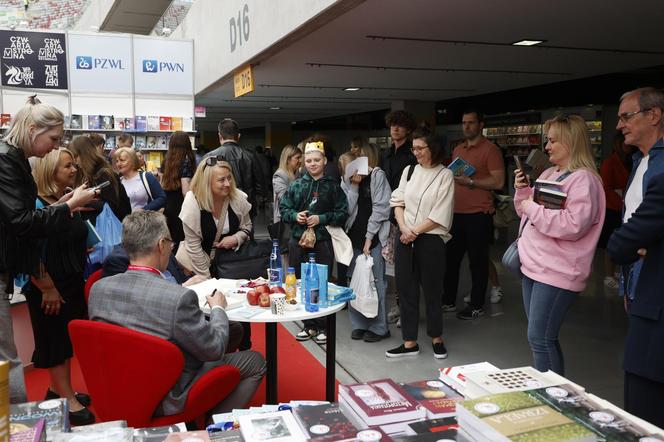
[280, 183]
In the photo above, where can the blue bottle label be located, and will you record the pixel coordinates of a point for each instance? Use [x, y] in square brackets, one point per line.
[275, 276]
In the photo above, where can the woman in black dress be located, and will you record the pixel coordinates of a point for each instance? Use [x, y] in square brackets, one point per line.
[58, 297]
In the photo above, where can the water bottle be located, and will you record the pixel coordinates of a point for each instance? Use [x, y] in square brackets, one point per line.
[275, 265]
[311, 285]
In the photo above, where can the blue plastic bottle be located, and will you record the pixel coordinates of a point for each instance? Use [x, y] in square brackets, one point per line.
[311, 286]
[276, 272]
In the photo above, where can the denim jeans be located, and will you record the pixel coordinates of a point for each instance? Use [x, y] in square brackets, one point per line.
[8, 349]
[546, 306]
[358, 321]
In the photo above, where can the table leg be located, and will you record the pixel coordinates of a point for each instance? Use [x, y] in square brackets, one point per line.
[271, 360]
[330, 357]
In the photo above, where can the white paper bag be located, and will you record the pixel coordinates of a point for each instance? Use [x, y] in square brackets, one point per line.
[364, 287]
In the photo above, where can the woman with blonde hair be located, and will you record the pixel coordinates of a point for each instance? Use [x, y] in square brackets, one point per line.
[557, 245]
[215, 215]
[290, 162]
[143, 188]
[58, 298]
[36, 130]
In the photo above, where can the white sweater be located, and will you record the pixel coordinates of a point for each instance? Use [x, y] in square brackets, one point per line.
[428, 194]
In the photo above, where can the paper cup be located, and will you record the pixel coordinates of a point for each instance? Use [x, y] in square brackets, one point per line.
[277, 303]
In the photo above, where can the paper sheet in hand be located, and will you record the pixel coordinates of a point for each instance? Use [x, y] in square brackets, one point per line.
[227, 286]
[359, 166]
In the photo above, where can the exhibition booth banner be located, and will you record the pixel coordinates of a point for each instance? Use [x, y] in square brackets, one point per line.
[100, 63]
[163, 66]
[34, 60]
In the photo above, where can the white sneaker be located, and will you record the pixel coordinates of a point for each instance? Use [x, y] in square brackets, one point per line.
[466, 298]
[496, 295]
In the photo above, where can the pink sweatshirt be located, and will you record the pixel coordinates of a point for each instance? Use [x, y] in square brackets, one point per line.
[557, 246]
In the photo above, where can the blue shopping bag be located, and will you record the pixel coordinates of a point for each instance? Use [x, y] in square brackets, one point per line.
[109, 228]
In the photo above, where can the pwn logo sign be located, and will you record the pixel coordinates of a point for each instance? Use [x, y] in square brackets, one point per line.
[150, 66]
[83, 62]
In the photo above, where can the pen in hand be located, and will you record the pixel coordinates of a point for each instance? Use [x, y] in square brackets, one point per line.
[214, 292]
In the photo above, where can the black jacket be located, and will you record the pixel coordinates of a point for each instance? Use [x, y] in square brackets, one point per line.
[644, 348]
[21, 224]
[246, 170]
[394, 161]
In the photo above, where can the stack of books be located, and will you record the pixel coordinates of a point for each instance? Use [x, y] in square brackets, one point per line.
[549, 194]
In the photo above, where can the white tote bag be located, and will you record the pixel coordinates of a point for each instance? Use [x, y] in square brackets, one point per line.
[364, 287]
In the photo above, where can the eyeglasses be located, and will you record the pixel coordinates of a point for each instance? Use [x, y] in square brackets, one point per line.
[418, 149]
[170, 241]
[211, 161]
[626, 116]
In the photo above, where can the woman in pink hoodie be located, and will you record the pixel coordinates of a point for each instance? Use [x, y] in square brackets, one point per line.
[557, 246]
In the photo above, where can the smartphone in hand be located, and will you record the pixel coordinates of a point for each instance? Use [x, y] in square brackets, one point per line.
[101, 186]
[519, 166]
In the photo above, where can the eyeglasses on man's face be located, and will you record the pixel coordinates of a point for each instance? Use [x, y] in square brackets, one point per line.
[626, 116]
[169, 241]
[211, 161]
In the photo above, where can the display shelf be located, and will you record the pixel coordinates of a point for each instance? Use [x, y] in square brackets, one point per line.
[132, 132]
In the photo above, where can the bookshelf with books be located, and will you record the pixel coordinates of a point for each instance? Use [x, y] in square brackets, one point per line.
[516, 140]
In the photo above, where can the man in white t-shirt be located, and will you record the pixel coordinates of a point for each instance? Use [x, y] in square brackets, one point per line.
[639, 246]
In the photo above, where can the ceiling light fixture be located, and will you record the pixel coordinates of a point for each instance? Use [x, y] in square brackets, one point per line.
[527, 42]
[352, 89]
[275, 108]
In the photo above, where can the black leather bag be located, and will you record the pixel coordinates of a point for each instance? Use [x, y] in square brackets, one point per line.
[250, 261]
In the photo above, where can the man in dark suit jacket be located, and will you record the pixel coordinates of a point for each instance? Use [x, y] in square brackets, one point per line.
[638, 245]
[141, 299]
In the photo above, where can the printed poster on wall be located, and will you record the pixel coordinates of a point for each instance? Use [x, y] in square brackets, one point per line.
[100, 63]
[163, 66]
[34, 60]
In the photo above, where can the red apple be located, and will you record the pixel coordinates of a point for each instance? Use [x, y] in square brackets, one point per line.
[264, 300]
[252, 297]
[277, 289]
[262, 289]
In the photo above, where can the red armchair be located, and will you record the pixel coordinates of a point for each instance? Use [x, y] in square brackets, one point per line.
[94, 277]
[128, 373]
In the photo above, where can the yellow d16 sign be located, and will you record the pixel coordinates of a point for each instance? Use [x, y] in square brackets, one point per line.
[243, 81]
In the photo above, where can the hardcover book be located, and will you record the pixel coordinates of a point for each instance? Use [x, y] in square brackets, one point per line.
[93, 236]
[162, 142]
[110, 142]
[461, 167]
[539, 161]
[381, 402]
[549, 194]
[432, 426]
[434, 396]
[176, 123]
[119, 123]
[151, 142]
[55, 412]
[106, 122]
[153, 123]
[140, 142]
[141, 123]
[188, 436]
[518, 416]
[164, 123]
[154, 434]
[5, 120]
[323, 421]
[76, 121]
[187, 124]
[94, 122]
[279, 426]
[512, 379]
[443, 435]
[130, 123]
[455, 377]
[22, 433]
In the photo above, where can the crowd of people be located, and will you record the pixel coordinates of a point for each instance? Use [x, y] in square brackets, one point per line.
[408, 210]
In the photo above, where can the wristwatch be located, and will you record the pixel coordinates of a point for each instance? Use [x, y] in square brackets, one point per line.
[471, 183]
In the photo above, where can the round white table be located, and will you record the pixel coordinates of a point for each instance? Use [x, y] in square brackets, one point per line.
[300, 314]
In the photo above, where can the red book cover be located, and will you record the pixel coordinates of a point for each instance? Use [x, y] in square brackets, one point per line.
[164, 123]
[5, 119]
[437, 398]
[324, 422]
[381, 402]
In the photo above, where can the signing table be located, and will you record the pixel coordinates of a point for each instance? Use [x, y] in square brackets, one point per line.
[238, 310]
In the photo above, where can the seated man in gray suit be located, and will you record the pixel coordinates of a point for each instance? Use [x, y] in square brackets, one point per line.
[141, 299]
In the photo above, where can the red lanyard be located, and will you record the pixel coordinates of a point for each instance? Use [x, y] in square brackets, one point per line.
[145, 269]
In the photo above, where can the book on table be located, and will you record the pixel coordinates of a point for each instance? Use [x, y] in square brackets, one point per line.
[434, 396]
[512, 379]
[54, 411]
[455, 377]
[461, 167]
[518, 416]
[279, 426]
[433, 426]
[380, 402]
[324, 422]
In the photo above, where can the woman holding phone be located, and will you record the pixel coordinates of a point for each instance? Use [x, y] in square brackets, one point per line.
[35, 131]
